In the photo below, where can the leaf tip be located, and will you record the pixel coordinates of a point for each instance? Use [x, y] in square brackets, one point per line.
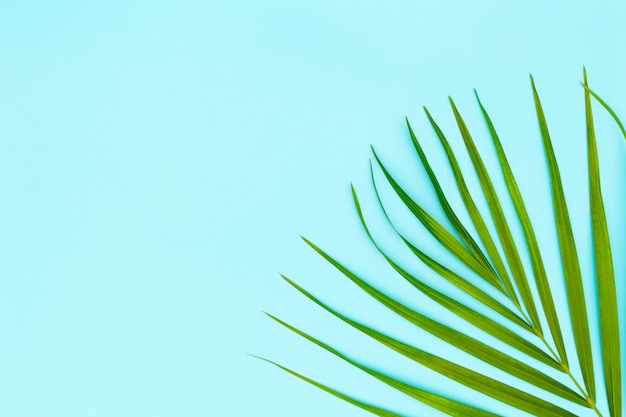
[354, 195]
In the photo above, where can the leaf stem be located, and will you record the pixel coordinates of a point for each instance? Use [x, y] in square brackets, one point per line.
[524, 315]
[592, 404]
[566, 369]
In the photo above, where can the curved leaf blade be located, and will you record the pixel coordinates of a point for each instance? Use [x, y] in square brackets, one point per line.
[447, 405]
[466, 343]
[439, 232]
[455, 279]
[607, 108]
[539, 270]
[474, 213]
[569, 256]
[605, 275]
[497, 214]
[482, 322]
[474, 380]
[445, 205]
[378, 411]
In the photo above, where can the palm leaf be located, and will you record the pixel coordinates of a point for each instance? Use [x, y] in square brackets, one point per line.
[502, 227]
[569, 257]
[475, 215]
[444, 404]
[530, 356]
[439, 232]
[539, 271]
[443, 201]
[607, 107]
[361, 404]
[605, 276]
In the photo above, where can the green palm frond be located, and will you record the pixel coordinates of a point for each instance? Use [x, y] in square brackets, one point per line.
[515, 303]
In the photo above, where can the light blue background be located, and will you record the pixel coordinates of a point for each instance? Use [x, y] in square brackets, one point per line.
[159, 159]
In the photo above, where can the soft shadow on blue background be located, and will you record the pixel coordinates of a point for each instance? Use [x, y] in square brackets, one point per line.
[159, 159]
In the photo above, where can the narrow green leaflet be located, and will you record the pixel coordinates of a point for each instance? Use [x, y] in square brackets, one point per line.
[467, 286]
[569, 257]
[466, 343]
[445, 205]
[474, 380]
[539, 271]
[496, 259]
[381, 412]
[447, 405]
[605, 276]
[440, 233]
[444, 272]
[497, 214]
[474, 213]
[482, 322]
[608, 109]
